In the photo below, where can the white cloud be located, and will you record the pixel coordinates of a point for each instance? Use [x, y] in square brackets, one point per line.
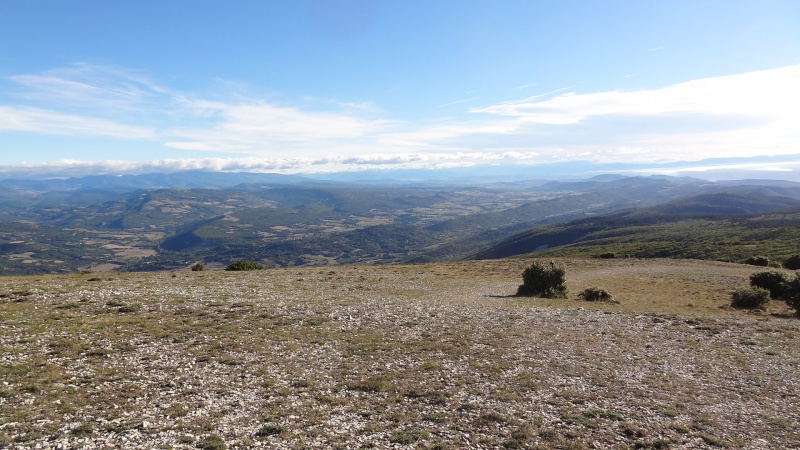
[67, 168]
[784, 169]
[768, 93]
[89, 86]
[35, 120]
[260, 120]
[738, 115]
[747, 114]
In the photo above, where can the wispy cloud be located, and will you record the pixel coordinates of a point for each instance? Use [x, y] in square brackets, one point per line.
[458, 102]
[524, 86]
[260, 122]
[89, 86]
[751, 94]
[747, 114]
[35, 120]
[738, 115]
[655, 49]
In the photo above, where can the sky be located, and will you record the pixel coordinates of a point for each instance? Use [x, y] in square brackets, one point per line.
[309, 86]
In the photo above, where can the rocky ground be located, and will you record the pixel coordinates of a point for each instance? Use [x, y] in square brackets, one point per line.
[429, 356]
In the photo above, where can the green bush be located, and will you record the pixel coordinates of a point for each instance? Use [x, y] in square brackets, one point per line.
[543, 280]
[244, 265]
[762, 261]
[772, 280]
[792, 263]
[595, 294]
[199, 267]
[792, 294]
[750, 298]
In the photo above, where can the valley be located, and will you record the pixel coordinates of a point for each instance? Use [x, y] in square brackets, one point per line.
[139, 225]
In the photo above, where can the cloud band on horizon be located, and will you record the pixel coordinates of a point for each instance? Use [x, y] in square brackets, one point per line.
[737, 115]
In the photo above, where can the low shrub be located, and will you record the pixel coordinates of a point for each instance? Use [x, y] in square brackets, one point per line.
[609, 255]
[750, 298]
[212, 442]
[762, 261]
[771, 280]
[199, 267]
[129, 308]
[544, 280]
[792, 263]
[244, 265]
[269, 429]
[595, 294]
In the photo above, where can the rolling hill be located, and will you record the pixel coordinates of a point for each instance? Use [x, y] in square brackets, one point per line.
[723, 225]
[121, 223]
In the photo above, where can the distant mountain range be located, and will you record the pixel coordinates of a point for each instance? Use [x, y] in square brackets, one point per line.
[730, 225]
[170, 221]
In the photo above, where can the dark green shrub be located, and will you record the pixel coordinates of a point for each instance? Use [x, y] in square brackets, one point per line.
[199, 267]
[792, 294]
[543, 280]
[609, 255]
[792, 263]
[595, 294]
[750, 298]
[762, 261]
[244, 265]
[772, 280]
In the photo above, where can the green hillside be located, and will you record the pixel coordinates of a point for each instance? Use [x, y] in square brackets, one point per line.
[721, 226]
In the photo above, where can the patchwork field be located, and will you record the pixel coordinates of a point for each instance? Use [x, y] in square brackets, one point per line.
[417, 356]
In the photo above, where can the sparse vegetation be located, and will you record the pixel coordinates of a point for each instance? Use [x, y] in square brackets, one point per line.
[244, 265]
[129, 308]
[212, 442]
[543, 280]
[198, 267]
[426, 356]
[750, 298]
[269, 429]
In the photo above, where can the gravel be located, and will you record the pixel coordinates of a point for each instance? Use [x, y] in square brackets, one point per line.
[430, 356]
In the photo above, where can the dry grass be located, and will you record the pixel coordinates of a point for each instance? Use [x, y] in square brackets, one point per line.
[430, 356]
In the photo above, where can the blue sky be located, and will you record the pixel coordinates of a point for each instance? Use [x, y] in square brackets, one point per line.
[96, 86]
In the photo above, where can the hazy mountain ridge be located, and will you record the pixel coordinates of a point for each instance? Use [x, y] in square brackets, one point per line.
[721, 225]
[302, 222]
